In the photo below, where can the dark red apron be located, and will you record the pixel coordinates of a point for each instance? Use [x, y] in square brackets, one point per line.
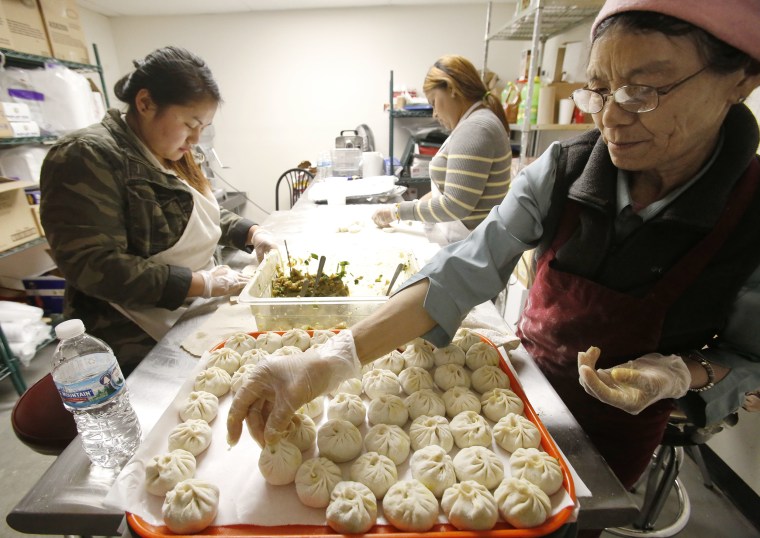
[566, 313]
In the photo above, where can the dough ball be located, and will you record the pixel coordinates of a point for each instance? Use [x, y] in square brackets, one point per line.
[214, 380]
[419, 353]
[301, 431]
[241, 342]
[480, 464]
[538, 467]
[350, 386]
[481, 354]
[433, 466]
[190, 506]
[315, 480]
[465, 338]
[388, 440]
[349, 407]
[470, 429]
[450, 354]
[352, 508]
[431, 430]
[240, 376]
[448, 376]
[415, 378]
[339, 440]
[193, 435]
[469, 506]
[488, 378]
[314, 409]
[297, 338]
[321, 336]
[286, 350]
[225, 358]
[424, 402]
[497, 403]
[522, 504]
[514, 431]
[458, 399]
[375, 471]
[378, 382]
[165, 471]
[253, 356]
[410, 506]
[279, 462]
[201, 405]
[393, 361]
[269, 342]
[387, 409]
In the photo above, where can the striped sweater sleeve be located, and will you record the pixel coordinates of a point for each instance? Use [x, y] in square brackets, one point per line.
[472, 172]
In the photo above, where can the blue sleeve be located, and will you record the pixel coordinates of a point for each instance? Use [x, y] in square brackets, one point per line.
[474, 270]
[737, 348]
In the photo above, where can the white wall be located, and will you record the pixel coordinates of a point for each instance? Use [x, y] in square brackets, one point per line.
[292, 80]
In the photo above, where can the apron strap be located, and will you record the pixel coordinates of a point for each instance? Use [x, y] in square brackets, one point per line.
[686, 271]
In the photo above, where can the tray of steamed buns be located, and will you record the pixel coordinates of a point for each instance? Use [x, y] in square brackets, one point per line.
[427, 440]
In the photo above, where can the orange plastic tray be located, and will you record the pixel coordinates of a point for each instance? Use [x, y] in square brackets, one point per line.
[500, 530]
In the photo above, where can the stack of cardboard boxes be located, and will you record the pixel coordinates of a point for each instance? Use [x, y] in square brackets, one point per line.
[45, 28]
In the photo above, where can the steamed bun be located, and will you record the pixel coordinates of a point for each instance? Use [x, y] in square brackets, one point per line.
[200, 404]
[522, 504]
[375, 471]
[538, 467]
[269, 341]
[480, 464]
[514, 431]
[387, 409]
[470, 429]
[410, 506]
[315, 480]
[497, 403]
[352, 508]
[469, 506]
[190, 506]
[431, 430]
[450, 354]
[339, 440]
[240, 342]
[388, 440]
[193, 435]
[424, 402]
[214, 380]
[165, 471]
[279, 462]
[489, 377]
[433, 467]
[378, 382]
[481, 354]
[415, 378]
[419, 353]
[458, 399]
[297, 338]
[349, 407]
[301, 431]
[225, 358]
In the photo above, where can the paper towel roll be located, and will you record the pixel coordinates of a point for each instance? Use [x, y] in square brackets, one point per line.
[566, 107]
[546, 105]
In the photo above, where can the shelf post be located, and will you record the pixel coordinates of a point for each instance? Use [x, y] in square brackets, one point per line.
[102, 76]
[485, 39]
[527, 135]
[390, 130]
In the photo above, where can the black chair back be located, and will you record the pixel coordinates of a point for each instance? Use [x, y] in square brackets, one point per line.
[296, 179]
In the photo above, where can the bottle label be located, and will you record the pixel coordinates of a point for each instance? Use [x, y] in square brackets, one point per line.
[92, 390]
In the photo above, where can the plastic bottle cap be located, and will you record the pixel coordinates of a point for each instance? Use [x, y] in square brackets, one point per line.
[69, 329]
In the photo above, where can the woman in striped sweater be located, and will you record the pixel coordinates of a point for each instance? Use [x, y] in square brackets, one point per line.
[470, 174]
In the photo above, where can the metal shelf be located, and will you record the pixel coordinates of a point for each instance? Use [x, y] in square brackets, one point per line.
[48, 139]
[23, 246]
[554, 20]
[426, 113]
[23, 59]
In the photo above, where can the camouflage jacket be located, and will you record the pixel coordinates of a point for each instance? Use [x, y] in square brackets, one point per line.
[105, 210]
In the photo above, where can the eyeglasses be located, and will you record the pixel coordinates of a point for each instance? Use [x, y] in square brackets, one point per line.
[636, 98]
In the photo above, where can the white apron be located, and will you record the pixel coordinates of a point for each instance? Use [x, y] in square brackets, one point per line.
[195, 249]
[445, 233]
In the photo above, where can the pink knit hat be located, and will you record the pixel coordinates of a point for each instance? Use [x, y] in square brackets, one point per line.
[736, 22]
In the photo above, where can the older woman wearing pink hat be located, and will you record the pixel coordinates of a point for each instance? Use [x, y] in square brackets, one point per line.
[646, 234]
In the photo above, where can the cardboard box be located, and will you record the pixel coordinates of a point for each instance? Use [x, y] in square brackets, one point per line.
[64, 30]
[36, 214]
[6, 130]
[16, 221]
[46, 292]
[5, 34]
[26, 27]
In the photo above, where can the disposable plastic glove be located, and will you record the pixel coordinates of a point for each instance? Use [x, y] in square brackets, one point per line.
[636, 384]
[278, 386]
[221, 281]
[752, 402]
[384, 215]
[262, 241]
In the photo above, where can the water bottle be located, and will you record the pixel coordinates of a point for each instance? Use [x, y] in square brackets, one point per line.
[92, 387]
[324, 166]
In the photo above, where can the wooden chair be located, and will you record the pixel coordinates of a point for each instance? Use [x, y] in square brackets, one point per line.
[297, 179]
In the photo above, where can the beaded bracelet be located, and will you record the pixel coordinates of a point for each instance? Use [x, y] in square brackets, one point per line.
[708, 368]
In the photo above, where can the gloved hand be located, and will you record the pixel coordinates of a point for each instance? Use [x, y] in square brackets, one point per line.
[752, 402]
[384, 215]
[221, 280]
[636, 384]
[279, 386]
[262, 241]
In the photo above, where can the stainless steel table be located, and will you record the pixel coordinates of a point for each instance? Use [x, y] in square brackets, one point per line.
[68, 499]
